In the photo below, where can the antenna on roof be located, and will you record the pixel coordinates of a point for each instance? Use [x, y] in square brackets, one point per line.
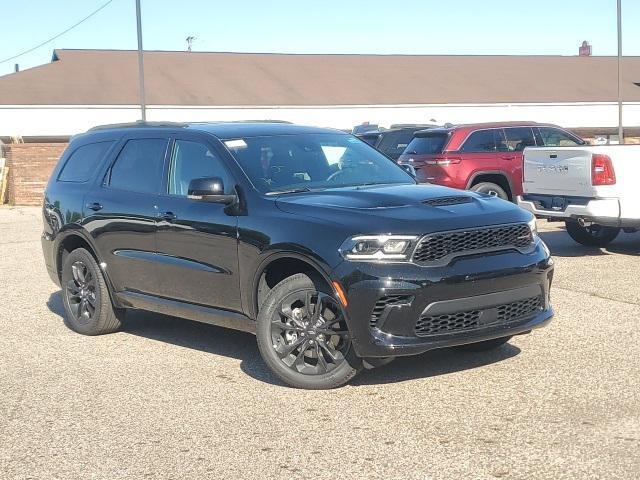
[190, 40]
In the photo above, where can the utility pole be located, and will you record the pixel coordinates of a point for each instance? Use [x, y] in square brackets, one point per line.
[143, 106]
[620, 128]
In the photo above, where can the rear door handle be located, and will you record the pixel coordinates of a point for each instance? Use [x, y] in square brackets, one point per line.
[167, 216]
[508, 157]
[95, 206]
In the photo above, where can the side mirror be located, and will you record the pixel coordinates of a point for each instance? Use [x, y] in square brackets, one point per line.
[409, 169]
[209, 189]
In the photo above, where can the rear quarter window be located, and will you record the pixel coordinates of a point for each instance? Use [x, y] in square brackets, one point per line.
[428, 144]
[83, 162]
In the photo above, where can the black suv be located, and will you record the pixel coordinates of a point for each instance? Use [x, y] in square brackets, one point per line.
[310, 238]
[392, 142]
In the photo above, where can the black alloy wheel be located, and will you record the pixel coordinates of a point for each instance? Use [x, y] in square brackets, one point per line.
[81, 293]
[303, 335]
[309, 333]
[85, 296]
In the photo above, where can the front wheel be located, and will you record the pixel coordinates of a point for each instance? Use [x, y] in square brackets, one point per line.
[303, 336]
[593, 235]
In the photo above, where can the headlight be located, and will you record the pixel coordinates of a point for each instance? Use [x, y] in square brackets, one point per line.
[533, 227]
[378, 247]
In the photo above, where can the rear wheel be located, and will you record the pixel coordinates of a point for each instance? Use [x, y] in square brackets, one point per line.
[303, 336]
[490, 189]
[85, 296]
[593, 235]
[484, 346]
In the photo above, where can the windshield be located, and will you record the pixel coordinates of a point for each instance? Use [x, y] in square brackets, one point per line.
[427, 144]
[283, 163]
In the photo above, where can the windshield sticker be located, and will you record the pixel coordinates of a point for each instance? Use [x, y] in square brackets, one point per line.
[236, 143]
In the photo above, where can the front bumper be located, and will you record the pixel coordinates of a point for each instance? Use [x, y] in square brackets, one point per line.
[463, 302]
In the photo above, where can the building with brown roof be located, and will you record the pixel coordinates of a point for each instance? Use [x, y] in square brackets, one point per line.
[82, 88]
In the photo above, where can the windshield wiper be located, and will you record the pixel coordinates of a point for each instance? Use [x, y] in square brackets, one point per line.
[292, 190]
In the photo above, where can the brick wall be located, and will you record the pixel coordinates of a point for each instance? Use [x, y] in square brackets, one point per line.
[30, 165]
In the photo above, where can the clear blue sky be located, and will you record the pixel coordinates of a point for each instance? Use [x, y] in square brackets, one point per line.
[480, 27]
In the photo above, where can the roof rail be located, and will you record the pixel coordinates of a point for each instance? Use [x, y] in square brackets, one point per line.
[137, 124]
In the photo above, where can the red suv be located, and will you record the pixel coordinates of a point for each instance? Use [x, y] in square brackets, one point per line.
[483, 157]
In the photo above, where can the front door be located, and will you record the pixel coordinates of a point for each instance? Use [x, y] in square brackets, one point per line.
[517, 139]
[196, 241]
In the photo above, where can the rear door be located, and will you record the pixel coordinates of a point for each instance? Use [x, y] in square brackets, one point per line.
[480, 153]
[197, 241]
[120, 213]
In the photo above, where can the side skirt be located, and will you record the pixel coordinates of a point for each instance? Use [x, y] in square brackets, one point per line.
[197, 313]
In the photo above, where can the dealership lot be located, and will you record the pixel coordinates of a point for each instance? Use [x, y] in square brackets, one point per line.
[167, 398]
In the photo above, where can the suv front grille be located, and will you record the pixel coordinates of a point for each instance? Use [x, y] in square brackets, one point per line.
[437, 246]
[445, 201]
[474, 319]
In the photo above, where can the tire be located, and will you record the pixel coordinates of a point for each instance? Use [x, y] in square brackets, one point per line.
[491, 189]
[290, 340]
[85, 296]
[593, 236]
[484, 346]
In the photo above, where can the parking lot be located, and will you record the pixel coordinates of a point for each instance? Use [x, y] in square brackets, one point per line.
[169, 398]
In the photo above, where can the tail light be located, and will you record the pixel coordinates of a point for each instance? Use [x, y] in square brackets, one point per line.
[602, 172]
[443, 161]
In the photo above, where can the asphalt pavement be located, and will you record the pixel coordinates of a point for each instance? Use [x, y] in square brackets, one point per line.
[170, 398]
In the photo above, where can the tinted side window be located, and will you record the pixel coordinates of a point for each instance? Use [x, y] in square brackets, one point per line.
[191, 160]
[394, 143]
[554, 137]
[83, 162]
[519, 138]
[427, 144]
[138, 167]
[481, 141]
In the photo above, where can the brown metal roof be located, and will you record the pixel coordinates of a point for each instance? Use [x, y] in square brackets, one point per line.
[109, 77]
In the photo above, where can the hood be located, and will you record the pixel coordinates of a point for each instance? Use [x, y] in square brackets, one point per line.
[402, 209]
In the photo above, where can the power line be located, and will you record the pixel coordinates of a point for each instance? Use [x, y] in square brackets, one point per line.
[58, 35]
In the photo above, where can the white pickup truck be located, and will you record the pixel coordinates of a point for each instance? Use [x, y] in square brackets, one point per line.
[594, 189]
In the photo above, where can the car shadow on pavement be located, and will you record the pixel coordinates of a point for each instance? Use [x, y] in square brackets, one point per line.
[188, 334]
[432, 364]
[561, 245]
[242, 346]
